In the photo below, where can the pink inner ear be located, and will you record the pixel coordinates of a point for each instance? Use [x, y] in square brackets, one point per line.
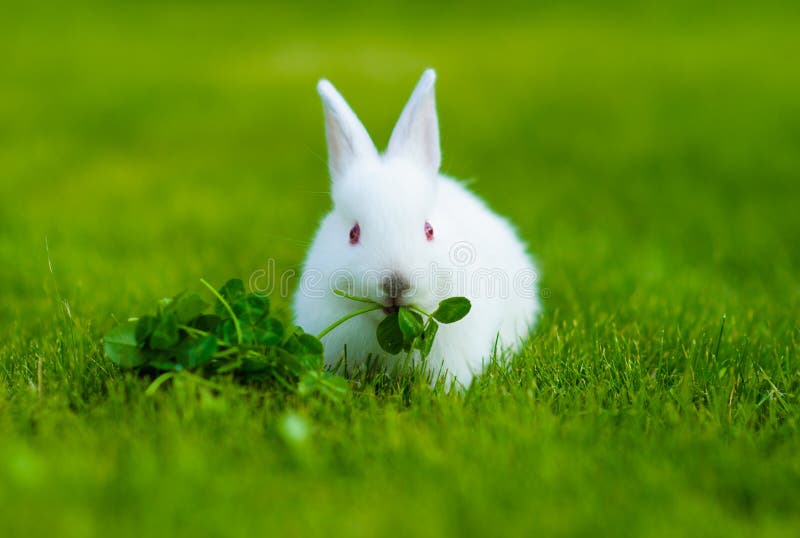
[428, 231]
[355, 234]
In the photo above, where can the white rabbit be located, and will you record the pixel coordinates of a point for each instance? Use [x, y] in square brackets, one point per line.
[402, 233]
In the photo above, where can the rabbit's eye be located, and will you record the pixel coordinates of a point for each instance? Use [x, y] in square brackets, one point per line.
[428, 231]
[355, 234]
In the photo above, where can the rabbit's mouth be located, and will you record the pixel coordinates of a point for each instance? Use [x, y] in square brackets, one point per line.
[394, 286]
[391, 308]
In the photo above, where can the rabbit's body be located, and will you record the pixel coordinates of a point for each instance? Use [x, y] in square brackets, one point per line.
[401, 233]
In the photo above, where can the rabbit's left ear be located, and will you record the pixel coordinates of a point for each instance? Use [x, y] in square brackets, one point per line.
[416, 135]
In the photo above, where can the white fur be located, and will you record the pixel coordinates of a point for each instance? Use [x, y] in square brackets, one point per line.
[391, 196]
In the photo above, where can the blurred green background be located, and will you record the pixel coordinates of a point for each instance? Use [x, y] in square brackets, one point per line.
[648, 154]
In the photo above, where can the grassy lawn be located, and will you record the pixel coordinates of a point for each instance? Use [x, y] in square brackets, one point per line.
[650, 158]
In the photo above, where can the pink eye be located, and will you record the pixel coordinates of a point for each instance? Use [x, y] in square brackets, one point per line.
[428, 231]
[355, 234]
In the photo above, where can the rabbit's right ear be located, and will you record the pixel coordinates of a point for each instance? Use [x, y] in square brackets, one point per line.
[348, 140]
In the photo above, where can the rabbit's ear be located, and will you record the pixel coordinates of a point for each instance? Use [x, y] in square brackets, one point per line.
[348, 140]
[416, 135]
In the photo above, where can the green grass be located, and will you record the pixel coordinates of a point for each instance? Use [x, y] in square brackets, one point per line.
[649, 157]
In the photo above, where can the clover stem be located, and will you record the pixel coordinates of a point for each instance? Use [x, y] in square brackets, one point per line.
[341, 293]
[197, 332]
[348, 316]
[157, 382]
[228, 308]
[194, 331]
[421, 311]
[410, 352]
[229, 351]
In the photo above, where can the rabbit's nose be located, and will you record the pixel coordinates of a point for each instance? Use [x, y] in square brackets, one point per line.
[394, 285]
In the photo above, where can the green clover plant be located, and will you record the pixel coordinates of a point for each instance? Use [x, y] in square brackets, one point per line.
[236, 335]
